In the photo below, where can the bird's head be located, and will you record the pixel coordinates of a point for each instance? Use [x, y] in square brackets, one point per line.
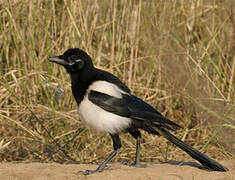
[74, 60]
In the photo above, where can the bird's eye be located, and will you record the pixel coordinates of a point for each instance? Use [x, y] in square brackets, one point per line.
[76, 63]
[80, 63]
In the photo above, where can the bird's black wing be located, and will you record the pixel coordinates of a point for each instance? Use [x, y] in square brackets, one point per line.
[147, 118]
[132, 107]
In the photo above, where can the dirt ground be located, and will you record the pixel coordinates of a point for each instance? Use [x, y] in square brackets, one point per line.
[161, 171]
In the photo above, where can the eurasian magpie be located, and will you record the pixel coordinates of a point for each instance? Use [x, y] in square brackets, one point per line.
[107, 105]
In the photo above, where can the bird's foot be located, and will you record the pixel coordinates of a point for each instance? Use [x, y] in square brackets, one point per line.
[139, 165]
[88, 172]
[134, 164]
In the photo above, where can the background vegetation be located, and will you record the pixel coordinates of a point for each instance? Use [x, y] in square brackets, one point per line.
[177, 55]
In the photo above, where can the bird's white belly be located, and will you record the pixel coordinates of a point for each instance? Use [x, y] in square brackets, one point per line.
[97, 118]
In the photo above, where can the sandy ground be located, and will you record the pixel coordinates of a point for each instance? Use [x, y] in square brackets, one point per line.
[161, 171]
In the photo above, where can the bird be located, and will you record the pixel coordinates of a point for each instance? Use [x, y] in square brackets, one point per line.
[107, 105]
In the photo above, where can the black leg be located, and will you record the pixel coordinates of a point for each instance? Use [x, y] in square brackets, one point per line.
[137, 135]
[137, 154]
[116, 146]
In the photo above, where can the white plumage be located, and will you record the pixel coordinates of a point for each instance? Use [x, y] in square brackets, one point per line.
[97, 118]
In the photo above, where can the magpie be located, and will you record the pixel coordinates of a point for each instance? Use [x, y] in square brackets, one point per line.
[106, 104]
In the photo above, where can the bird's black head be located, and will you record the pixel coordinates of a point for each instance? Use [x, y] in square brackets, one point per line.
[74, 60]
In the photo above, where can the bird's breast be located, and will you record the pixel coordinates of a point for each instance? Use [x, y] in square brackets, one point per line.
[97, 118]
[103, 121]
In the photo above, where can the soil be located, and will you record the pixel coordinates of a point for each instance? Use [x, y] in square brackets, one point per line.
[153, 171]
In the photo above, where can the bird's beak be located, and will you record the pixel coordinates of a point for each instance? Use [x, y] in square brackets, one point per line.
[57, 60]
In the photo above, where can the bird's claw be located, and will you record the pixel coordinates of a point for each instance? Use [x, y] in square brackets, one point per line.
[139, 165]
[88, 172]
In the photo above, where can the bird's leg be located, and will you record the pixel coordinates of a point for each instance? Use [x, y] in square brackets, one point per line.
[137, 135]
[137, 154]
[116, 147]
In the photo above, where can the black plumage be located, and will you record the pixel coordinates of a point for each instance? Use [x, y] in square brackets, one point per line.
[106, 104]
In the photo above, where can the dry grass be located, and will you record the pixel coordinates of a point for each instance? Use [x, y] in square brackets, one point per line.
[177, 55]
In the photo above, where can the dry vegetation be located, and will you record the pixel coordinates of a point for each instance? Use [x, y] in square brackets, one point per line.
[177, 55]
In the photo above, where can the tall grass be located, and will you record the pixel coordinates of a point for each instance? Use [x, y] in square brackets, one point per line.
[177, 55]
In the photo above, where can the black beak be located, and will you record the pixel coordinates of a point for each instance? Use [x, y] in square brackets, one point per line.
[57, 60]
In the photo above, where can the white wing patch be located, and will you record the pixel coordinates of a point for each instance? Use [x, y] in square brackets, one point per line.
[97, 118]
[107, 88]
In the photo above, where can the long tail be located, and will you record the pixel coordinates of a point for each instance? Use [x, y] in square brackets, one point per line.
[202, 158]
